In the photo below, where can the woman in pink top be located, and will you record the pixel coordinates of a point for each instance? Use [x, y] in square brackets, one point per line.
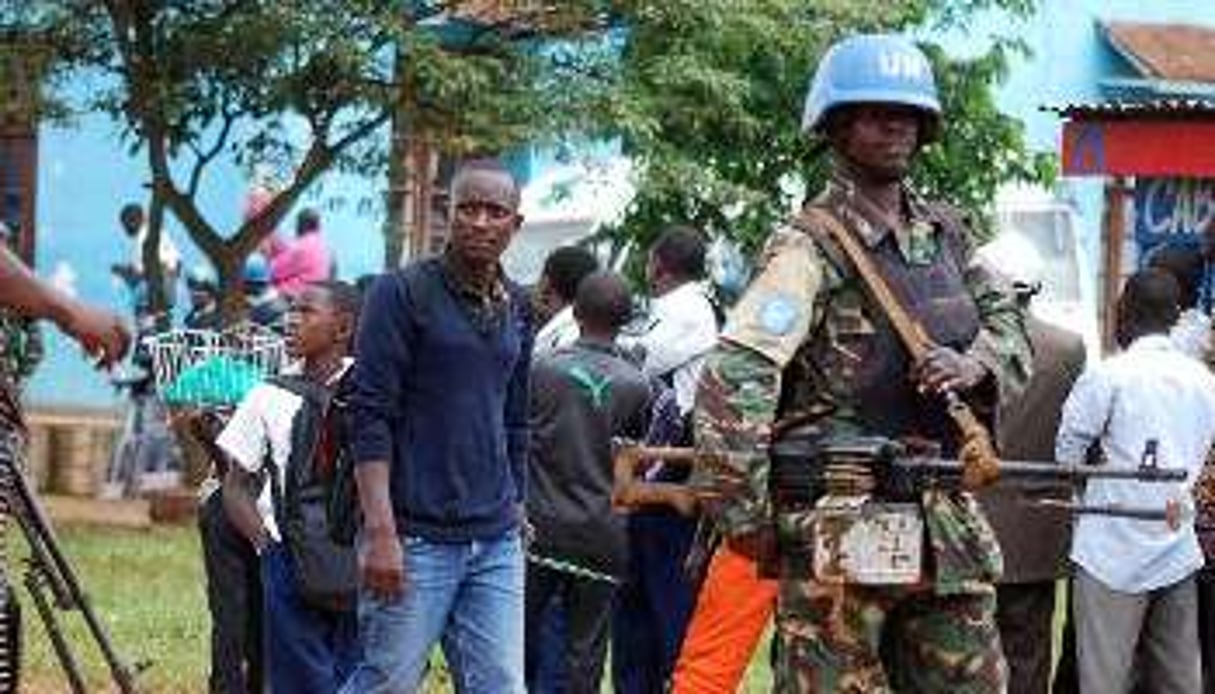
[296, 264]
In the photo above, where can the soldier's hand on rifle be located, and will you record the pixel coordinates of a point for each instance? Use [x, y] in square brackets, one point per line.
[382, 563]
[944, 369]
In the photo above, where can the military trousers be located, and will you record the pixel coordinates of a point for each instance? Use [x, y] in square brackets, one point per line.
[882, 639]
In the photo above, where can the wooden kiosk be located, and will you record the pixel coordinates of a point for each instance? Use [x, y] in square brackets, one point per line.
[1158, 158]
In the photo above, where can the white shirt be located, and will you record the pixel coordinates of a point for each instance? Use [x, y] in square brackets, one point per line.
[1192, 333]
[561, 330]
[170, 257]
[1150, 391]
[262, 422]
[681, 330]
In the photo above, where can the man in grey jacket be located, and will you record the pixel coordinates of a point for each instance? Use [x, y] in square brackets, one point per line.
[581, 396]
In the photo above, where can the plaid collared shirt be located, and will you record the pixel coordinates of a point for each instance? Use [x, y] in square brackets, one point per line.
[486, 304]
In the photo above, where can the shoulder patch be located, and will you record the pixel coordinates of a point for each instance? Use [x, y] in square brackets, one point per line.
[778, 314]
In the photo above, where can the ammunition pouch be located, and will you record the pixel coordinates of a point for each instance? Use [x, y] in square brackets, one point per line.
[805, 465]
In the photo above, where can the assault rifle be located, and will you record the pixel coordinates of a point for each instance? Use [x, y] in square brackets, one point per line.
[806, 466]
[51, 581]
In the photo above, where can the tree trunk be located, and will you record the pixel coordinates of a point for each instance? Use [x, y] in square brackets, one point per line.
[397, 197]
[229, 266]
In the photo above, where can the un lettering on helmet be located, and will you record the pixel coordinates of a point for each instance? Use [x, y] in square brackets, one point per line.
[902, 65]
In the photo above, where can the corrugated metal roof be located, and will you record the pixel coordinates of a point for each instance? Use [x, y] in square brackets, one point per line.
[497, 12]
[523, 16]
[1179, 52]
[1153, 108]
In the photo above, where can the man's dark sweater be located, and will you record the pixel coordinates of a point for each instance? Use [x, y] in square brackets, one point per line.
[441, 394]
[582, 396]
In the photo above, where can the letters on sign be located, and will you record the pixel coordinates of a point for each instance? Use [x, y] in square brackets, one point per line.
[1172, 209]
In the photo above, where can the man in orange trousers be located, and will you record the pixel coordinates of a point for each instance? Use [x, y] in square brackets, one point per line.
[732, 610]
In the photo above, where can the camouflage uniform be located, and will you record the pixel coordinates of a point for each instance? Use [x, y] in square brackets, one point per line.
[20, 347]
[805, 339]
[20, 352]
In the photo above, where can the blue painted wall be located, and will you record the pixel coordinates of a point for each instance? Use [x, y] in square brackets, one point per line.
[1068, 54]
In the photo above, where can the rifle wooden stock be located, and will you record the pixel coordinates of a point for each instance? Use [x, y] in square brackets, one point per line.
[631, 491]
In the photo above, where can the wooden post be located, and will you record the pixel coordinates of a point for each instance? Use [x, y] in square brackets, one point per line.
[23, 65]
[1114, 228]
[423, 163]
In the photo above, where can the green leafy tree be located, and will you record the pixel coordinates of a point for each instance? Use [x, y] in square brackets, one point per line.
[707, 98]
[705, 95]
[299, 87]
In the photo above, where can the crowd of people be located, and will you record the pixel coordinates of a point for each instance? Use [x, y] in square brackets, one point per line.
[476, 421]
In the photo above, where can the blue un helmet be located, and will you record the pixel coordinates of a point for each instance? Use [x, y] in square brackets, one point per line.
[201, 278]
[257, 270]
[873, 68]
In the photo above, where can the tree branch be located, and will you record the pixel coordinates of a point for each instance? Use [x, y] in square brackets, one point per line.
[202, 159]
[138, 59]
[361, 131]
[319, 156]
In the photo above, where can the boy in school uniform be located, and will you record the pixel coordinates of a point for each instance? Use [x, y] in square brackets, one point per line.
[308, 649]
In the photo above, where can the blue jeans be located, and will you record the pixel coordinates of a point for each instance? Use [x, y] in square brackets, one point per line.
[307, 650]
[470, 595]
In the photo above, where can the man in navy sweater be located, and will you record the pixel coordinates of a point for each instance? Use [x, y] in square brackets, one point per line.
[440, 442]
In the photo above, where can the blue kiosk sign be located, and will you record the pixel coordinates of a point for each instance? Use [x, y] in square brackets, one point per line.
[1173, 211]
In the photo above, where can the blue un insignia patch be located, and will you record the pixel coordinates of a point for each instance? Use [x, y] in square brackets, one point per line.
[778, 314]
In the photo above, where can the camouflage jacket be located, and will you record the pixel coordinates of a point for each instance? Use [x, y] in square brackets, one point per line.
[20, 347]
[802, 290]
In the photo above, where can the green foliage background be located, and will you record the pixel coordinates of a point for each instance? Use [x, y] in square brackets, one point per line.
[708, 96]
[704, 95]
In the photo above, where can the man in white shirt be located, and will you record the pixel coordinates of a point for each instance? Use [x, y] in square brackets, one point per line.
[564, 270]
[1192, 335]
[655, 602]
[1134, 583]
[682, 325]
[135, 226]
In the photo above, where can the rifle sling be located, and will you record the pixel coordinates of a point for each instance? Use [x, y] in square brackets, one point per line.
[816, 221]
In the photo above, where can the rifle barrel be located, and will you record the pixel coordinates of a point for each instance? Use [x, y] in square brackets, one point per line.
[865, 450]
[1166, 514]
[1037, 469]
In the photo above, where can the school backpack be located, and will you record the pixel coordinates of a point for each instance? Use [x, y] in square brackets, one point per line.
[315, 507]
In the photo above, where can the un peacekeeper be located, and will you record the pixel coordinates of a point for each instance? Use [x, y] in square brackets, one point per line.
[806, 340]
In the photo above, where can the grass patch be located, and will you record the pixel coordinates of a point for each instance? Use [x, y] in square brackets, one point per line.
[147, 588]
